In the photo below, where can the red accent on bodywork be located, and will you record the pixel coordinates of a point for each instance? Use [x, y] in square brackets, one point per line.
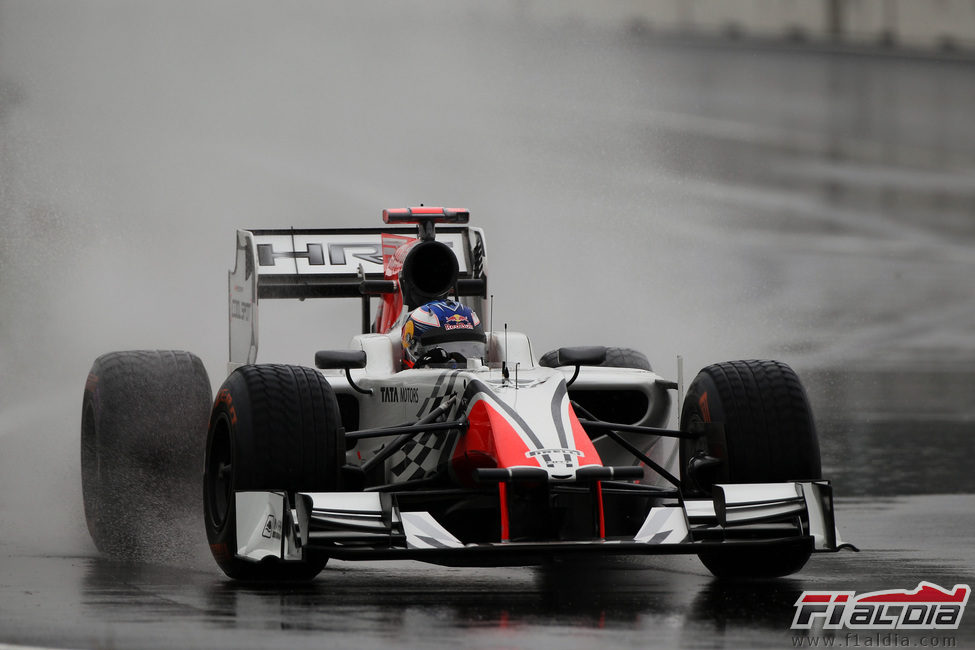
[503, 506]
[489, 434]
[406, 215]
[395, 250]
[602, 515]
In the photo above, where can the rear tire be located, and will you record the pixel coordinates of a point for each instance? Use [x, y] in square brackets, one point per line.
[273, 427]
[768, 436]
[143, 434]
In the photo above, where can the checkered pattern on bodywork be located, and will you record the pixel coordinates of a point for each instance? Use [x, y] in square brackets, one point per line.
[420, 457]
[425, 455]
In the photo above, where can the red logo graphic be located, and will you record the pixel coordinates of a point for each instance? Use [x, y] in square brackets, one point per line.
[928, 607]
[458, 322]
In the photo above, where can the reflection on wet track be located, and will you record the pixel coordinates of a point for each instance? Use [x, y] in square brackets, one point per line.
[650, 602]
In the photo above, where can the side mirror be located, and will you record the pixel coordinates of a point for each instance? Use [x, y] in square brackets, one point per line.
[581, 356]
[343, 360]
[340, 359]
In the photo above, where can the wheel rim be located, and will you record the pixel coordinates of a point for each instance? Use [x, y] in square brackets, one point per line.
[220, 477]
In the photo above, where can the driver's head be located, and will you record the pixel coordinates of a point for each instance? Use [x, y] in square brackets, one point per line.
[448, 325]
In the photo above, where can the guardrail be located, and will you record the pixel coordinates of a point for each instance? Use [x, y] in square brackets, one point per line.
[913, 24]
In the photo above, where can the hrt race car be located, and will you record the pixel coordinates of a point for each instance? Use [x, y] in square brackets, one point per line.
[483, 457]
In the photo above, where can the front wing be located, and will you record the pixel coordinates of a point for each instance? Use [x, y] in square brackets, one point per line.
[373, 526]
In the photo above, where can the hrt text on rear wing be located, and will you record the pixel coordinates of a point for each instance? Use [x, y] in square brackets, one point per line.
[335, 263]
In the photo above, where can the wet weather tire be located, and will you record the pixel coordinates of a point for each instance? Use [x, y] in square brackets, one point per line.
[273, 428]
[767, 436]
[143, 433]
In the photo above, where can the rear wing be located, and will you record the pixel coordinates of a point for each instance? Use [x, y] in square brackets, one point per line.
[326, 263]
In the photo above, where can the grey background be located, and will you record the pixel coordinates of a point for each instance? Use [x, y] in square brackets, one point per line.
[713, 200]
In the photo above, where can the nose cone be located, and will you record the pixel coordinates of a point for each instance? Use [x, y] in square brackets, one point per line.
[532, 426]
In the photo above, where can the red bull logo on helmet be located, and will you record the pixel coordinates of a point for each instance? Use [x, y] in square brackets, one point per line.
[458, 322]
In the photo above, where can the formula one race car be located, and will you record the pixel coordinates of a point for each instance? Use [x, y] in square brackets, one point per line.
[436, 438]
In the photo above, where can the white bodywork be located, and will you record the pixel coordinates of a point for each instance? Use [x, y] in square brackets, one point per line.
[536, 403]
[326, 257]
[406, 395]
[364, 519]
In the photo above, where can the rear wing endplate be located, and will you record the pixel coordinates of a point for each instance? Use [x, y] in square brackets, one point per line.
[324, 263]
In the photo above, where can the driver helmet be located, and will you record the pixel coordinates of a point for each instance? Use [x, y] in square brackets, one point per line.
[451, 326]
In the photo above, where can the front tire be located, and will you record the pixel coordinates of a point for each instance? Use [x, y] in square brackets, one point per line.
[768, 436]
[273, 427]
[143, 432]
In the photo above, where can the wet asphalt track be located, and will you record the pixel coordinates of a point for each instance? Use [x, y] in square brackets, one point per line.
[765, 203]
[645, 603]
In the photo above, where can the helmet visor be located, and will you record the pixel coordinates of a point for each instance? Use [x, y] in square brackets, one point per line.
[467, 349]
